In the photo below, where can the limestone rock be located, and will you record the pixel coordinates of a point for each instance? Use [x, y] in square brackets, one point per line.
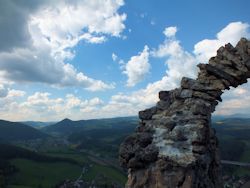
[174, 144]
[147, 114]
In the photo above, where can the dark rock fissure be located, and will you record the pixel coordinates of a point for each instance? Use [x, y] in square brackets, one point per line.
[174, 144]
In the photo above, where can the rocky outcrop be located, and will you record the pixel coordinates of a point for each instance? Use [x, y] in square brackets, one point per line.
[174, 144]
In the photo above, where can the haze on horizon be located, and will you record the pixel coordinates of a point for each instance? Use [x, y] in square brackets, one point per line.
[95, 59]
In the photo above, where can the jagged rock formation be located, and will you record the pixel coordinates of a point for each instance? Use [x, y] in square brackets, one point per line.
[174, 144]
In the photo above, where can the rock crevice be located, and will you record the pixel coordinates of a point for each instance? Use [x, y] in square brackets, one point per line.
[174, 144]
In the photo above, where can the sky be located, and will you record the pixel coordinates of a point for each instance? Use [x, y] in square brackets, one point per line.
[82, 59]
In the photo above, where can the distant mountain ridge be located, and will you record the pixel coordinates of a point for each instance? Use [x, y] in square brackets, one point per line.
[237, 115]
[37, 124]
[13, 131]
[233, 121]
[67, 126]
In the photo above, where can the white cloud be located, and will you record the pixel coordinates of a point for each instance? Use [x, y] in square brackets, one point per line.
[95, 102]
[179, 63]
[114, 57]
[65, 24]
[92, 39]
[72, 78]
[19, 67]
[51, 30]
[170, 31]
[137, 67]
[230, 34]
[7, 94]
[235, 101]
[168, 48]
[15, 93]
[3, 91]
[43, 106]
[9, 104]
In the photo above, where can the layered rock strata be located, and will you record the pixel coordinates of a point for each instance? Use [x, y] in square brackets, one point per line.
[174, 144]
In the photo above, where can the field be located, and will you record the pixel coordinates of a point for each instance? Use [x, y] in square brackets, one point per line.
[42, 174]
[96, 165]
[46, 174]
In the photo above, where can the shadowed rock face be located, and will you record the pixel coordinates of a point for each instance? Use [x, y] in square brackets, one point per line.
[174, 144]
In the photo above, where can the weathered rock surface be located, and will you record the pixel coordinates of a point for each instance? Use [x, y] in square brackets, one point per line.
[174, 144]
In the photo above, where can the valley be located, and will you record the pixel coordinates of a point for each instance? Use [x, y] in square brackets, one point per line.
[86, 152]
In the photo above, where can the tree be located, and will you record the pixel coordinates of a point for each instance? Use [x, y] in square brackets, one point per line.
[2, 180]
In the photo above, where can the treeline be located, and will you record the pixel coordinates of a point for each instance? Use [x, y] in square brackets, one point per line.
[235, 133]
[104, 140]
[13, 131]
[8, 152]
[6, 170]
[231, 149]
[99, 134]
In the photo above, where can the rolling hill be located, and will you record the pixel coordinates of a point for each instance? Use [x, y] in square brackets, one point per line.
[97, 142]
[37, 124]
[68, 126]
[14, 131]
[100, 136]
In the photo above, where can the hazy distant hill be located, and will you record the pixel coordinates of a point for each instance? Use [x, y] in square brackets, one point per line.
[13, 131]
[105, 135]
[37, 124]
[233, 121]
[63, 127]
[101, 136]
[68, 126]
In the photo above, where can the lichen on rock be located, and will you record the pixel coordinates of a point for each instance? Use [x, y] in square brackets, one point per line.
[174, 144]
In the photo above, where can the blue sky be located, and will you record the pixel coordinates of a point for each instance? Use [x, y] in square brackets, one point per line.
[95, 59]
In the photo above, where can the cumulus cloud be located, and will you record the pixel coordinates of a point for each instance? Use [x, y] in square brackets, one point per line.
[137, 67]
[230, 34]
[3, 91]
[19, 67]
[15, 93]
[178, 63]
[45, 34]
[170, 31]
[43, 106]
[7, 93]
[14, 27]
[9, 103]
[235, 101]
[65, 24]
